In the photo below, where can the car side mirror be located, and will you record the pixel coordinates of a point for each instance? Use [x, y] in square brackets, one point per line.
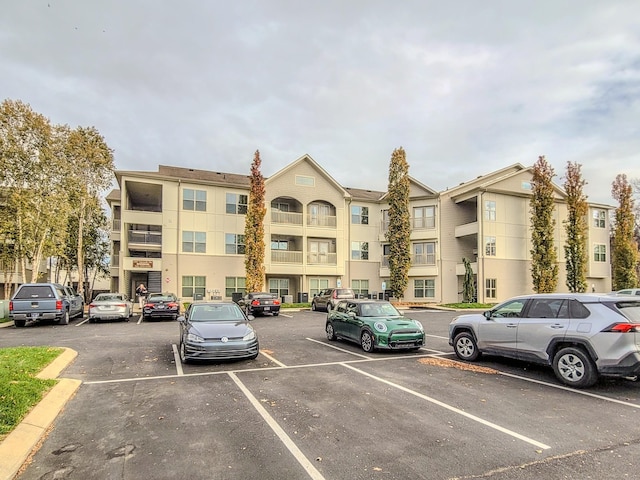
[352, 314]
[181, 319]
[487, 314]
[250, 317]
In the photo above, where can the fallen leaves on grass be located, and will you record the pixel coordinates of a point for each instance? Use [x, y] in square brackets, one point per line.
[446, 363]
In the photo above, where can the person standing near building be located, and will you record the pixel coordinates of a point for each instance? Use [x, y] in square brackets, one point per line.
[141, 292]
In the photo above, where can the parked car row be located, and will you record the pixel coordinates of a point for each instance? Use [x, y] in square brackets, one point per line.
[581, 336]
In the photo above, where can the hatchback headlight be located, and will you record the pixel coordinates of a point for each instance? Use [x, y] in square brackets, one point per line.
[380, 326]
[192, 337]
[419, 325]
[249, 336]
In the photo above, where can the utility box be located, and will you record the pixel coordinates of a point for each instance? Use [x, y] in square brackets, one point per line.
[287, 299]
[303, 297]
[197, 296]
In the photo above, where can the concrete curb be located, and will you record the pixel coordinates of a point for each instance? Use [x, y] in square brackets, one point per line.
[16, 448]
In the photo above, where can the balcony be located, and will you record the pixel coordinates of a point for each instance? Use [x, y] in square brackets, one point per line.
[460, 268]
[322, 259]
[321, 220]
[286, 256]
[286, 218]
[466, 229]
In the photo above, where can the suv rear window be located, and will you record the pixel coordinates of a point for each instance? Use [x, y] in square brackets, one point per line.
[630, 310]
[344, 292]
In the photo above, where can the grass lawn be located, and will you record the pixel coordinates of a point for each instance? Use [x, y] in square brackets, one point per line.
[461, 306]
[20, 390]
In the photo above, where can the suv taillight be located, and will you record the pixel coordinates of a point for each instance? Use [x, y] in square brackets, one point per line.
[58, 304]
[624, 328]
[11, 306]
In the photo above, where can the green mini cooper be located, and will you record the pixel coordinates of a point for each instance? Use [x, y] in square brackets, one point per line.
[374, 324]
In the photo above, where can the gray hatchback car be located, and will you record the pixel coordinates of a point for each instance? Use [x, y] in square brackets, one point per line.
[580, 335]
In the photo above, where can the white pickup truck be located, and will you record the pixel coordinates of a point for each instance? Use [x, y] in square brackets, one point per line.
[45, 301]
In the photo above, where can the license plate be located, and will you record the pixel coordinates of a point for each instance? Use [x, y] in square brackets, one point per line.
[266, 309]
[160, 307]
[35, 315]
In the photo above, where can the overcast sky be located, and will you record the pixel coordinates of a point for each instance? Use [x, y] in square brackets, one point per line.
[466, 87]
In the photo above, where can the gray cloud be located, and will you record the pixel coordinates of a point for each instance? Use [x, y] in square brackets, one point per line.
[465, 87]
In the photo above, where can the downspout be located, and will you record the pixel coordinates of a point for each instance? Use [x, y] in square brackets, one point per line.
[348, 256]
[178, 242]
[480, 280]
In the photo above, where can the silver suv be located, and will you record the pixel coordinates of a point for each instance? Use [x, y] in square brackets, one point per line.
[581, 335]
[328, 299]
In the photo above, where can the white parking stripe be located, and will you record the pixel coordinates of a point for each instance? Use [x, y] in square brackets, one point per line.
[436, 336]
[176, 357]
[338, 348]
[453, 409]
[82, 322]
[272, 359]
[282, 435]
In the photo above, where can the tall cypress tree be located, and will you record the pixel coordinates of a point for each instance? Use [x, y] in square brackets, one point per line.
[254, 230]
[399, 233]
[575, 248]
[624, 255]
[544, 264]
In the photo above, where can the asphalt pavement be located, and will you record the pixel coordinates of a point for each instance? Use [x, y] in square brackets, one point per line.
[311, 408]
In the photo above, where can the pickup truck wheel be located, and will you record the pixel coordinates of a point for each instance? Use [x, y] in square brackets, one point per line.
[65, 318]
[19, 323]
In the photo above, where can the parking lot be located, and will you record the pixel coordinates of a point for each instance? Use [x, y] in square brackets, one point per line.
[310, 408]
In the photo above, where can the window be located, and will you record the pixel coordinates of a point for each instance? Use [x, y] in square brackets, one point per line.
[424, 253]
[424, 288]
[279, 286]
[194, 200]
[359, 250]
[490, 246]
[305, 181]
[234, 243]
[317, 285]
[385, 220]
[280, 206]
[234, 284]
[490, 288]
[194, 242]
[193, 285]
[424, 217]
[360, 287]
[236, 203]
[359, 215]
[279, 245]
[599, 253]
[599, 218]
[489, 210]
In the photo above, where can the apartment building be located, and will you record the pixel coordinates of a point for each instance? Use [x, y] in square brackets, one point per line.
[182, 230]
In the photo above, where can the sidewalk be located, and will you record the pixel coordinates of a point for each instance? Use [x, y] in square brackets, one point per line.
[16, 448]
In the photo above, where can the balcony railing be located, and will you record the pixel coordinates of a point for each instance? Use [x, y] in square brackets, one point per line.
[147, 238]
[288, 218]
[286, 256]
[322, 259]
[416, 260]
[116, 224]
[321, 220]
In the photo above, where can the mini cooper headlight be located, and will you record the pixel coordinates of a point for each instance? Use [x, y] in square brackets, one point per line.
[380, 326]
[249, 336]
[192, 337]
[419, 325]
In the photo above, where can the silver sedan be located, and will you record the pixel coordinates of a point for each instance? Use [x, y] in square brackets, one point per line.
[110, 306]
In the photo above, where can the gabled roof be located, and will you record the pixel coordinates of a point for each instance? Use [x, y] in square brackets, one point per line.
[416, 187]
[491, 181]
[307, 159]
[365, 195]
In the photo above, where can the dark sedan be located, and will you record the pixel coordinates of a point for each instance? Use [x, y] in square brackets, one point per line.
[216, 331]
[161, 305]
[260, 303]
